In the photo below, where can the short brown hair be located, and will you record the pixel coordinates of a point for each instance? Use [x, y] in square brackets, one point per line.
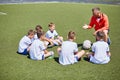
[51, 24]
[96, 8]
[31, 32]
[71, 35]
[101, 34]
[38, 28]
[39, 34]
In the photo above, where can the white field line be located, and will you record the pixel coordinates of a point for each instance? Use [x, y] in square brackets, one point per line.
[2, 13]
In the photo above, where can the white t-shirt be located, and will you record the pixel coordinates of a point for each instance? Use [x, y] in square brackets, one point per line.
[37, 50]
[24, 43]
[35, 36]
[52, 34]
[100, 49]
[67, 56]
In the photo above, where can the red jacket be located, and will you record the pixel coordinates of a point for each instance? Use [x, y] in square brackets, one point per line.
[101, 23]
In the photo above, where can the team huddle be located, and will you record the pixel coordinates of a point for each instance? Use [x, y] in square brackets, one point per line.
[36, 42]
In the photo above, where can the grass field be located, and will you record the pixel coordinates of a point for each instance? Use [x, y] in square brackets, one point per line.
[67, 16]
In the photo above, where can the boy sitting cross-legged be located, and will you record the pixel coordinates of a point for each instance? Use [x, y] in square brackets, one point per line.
[53, 36]
[38, 49]
[100, 50]
[68, 53]
[25, 43]
[38, 29]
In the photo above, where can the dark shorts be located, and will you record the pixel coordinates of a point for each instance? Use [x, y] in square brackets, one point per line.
[43, 57]
[25, 52]
[76, 58]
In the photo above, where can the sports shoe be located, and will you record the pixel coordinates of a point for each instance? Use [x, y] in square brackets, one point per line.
[52, 55]
[50, 46]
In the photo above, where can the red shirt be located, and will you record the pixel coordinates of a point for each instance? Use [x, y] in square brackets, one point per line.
[101, 23]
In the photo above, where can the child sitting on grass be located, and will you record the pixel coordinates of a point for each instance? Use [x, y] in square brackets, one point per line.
[38, 29]
[38, 49]
[53, 36]
[68, 53]
[25, 43]
[100, 50]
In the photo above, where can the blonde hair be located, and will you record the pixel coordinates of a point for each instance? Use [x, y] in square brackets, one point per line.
[31, 32]
[50, 24]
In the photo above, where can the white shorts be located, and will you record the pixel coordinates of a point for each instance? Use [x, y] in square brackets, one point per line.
[40, 56]
[93, 60]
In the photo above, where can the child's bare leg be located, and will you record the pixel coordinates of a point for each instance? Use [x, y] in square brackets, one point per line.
[80, 54]
[59, 40]
[50, 53]
[109, 53]
[88, 54]
[58, 50]
[28, 49]
[106, 35]
[47, 55]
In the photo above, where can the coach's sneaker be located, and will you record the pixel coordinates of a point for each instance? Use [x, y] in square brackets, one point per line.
[108, 41]
[52, 55]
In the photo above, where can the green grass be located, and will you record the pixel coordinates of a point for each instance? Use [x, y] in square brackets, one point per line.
[22, 17]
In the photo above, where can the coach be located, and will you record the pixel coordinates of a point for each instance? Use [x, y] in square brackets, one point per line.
[100, 22]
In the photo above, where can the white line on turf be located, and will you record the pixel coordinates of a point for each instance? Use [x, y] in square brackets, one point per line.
[2, 13]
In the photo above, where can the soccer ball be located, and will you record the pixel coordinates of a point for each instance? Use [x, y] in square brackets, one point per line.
[87, 44]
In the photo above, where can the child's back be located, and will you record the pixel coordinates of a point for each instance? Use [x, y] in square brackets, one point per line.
[67, 52]
[100, 49]
[37, 50]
